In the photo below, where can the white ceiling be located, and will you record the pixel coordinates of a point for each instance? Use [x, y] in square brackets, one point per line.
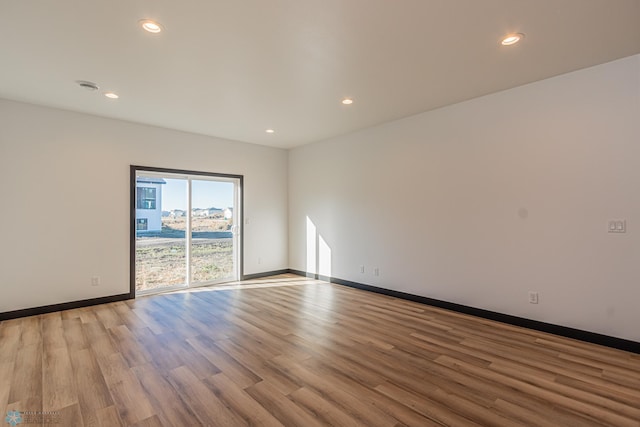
[233, 68]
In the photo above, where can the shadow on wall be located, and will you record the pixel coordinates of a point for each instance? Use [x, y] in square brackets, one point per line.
[318, 252]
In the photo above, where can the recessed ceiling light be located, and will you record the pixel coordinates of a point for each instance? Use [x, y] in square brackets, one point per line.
[270, 131]
[150, 26]
[111, 95]
[347, 101]
[91, 86]
[512, 39]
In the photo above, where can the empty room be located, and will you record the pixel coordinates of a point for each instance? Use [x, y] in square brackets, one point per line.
[320, 213]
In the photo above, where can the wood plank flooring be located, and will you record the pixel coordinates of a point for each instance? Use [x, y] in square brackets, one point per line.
[290, 351]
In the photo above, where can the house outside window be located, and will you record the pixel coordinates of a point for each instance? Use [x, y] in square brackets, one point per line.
[146, 198]
[142, 224]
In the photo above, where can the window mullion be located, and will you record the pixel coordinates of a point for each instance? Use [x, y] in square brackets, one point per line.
[187, 232]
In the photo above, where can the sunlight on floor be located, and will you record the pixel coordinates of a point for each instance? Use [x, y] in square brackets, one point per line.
[268, 282]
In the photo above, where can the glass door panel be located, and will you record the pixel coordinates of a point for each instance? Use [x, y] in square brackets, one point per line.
[161, 222]
[212, 243]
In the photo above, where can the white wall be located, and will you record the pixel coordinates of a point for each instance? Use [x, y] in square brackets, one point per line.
[480, 202]
[57, 231]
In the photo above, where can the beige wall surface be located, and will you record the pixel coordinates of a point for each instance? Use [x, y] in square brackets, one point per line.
[481, 202]
[64, 193]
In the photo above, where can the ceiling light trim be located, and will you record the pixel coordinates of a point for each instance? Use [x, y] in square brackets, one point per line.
[151, 26]
[512, 39]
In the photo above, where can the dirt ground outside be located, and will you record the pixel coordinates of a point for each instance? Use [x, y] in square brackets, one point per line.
[160, 256]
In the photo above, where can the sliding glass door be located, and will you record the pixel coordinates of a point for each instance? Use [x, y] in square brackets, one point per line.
[186, 229]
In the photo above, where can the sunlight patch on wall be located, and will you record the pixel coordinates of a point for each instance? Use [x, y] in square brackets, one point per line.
[324, 257]
[318, 252]
[311, 247]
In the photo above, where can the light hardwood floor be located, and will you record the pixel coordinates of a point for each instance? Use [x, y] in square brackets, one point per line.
[298, 352]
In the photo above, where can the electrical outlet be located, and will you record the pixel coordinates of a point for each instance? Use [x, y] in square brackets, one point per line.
[362, 269]
[617, 226]
[376, 271]
[95, 280]
[533, 297]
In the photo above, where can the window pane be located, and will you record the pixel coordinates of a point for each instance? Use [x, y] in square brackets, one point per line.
[146, 198]
[160, 245]
[211, 236]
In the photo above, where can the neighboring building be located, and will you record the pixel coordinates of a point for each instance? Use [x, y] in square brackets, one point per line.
[177, 213]
[205, 212]
[228, 213]
[149, 204]
[199, 212]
